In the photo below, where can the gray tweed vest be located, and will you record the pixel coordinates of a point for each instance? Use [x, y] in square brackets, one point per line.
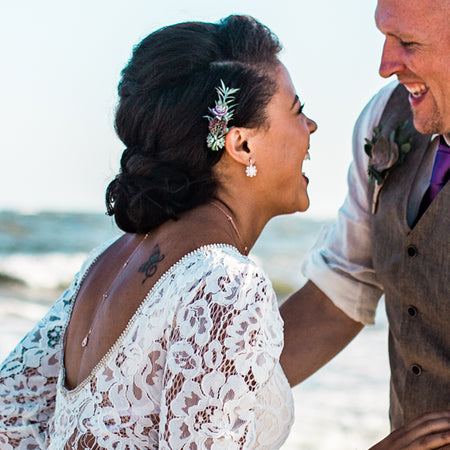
[414, 267]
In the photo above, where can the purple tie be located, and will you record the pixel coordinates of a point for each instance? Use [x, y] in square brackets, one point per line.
[440, 176]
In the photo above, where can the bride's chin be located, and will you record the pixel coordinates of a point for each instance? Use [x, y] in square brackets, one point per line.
[305, 204]
[299, 208]
[303, 209]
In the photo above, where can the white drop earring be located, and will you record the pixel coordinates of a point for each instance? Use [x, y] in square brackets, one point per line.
[251, 169]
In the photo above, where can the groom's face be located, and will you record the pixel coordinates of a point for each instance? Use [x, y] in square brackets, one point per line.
[417, 50]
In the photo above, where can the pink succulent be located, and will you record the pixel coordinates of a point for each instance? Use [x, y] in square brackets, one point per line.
[220, 111]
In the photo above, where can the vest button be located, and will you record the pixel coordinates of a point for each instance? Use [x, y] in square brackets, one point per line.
[412, 311]
[416, 370]
[412, 250]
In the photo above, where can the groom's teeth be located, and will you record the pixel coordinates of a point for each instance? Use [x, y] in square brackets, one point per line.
[416, 91]
[307, 156]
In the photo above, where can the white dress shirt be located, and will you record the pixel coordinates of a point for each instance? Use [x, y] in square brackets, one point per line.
[340, 263]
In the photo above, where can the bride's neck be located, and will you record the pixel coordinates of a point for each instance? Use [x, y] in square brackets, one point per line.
[246, 218]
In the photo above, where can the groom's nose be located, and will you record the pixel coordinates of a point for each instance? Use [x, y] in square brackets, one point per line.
[391, 61]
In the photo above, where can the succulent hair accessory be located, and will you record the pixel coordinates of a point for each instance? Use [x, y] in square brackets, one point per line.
[221, 114]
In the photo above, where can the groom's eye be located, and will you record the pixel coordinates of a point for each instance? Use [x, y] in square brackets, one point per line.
[407, 44]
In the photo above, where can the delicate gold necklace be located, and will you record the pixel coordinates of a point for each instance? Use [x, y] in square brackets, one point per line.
[85, 341]
[216, 203]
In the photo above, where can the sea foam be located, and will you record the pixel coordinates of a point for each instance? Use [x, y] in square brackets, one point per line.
[43, 271]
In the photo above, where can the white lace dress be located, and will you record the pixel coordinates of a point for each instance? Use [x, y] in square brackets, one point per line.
[196, 367]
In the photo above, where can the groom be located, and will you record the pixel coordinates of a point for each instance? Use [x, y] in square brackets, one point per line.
[392, 235]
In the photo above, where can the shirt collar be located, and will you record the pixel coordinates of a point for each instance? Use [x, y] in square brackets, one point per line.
[436, 136]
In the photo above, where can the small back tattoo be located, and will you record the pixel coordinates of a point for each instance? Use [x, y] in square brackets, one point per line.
[151, 266]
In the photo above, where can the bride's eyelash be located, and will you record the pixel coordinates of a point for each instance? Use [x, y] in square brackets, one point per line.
[300, 108]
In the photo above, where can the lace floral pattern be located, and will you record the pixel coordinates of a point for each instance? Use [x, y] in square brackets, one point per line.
[197, 367]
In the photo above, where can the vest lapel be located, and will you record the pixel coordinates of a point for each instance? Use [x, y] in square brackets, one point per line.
[406, 171]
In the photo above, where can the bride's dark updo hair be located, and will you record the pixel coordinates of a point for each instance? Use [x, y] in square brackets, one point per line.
[164, 95]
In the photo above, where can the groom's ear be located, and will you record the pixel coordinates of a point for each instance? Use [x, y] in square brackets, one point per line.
[236, 144]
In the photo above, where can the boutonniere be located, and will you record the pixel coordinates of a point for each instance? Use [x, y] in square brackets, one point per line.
[385, 155]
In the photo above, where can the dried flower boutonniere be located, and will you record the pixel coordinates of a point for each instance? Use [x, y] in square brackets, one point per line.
[386, 154]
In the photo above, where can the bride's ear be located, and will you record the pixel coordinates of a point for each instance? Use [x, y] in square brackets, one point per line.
[236, 145]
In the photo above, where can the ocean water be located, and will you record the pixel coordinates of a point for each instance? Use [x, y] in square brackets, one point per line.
[343, 406]
[43, 251]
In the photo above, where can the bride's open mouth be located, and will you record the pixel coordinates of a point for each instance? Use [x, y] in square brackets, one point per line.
[306, 158]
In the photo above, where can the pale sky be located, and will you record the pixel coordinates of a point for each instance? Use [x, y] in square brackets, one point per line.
[61, 62]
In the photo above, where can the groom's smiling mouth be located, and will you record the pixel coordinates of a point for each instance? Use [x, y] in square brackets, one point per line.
[416, 90]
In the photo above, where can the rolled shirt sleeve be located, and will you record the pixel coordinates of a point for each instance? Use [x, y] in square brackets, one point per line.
[340, 263]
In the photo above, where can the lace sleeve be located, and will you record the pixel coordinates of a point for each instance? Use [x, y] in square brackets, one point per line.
[226, 341]
[28, 379]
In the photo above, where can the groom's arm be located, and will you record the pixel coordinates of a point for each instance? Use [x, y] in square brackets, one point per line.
[315, 330]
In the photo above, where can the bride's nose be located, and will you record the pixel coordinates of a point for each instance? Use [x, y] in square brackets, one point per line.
[312, 126]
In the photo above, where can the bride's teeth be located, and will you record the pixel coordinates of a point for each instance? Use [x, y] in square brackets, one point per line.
[307, 156]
